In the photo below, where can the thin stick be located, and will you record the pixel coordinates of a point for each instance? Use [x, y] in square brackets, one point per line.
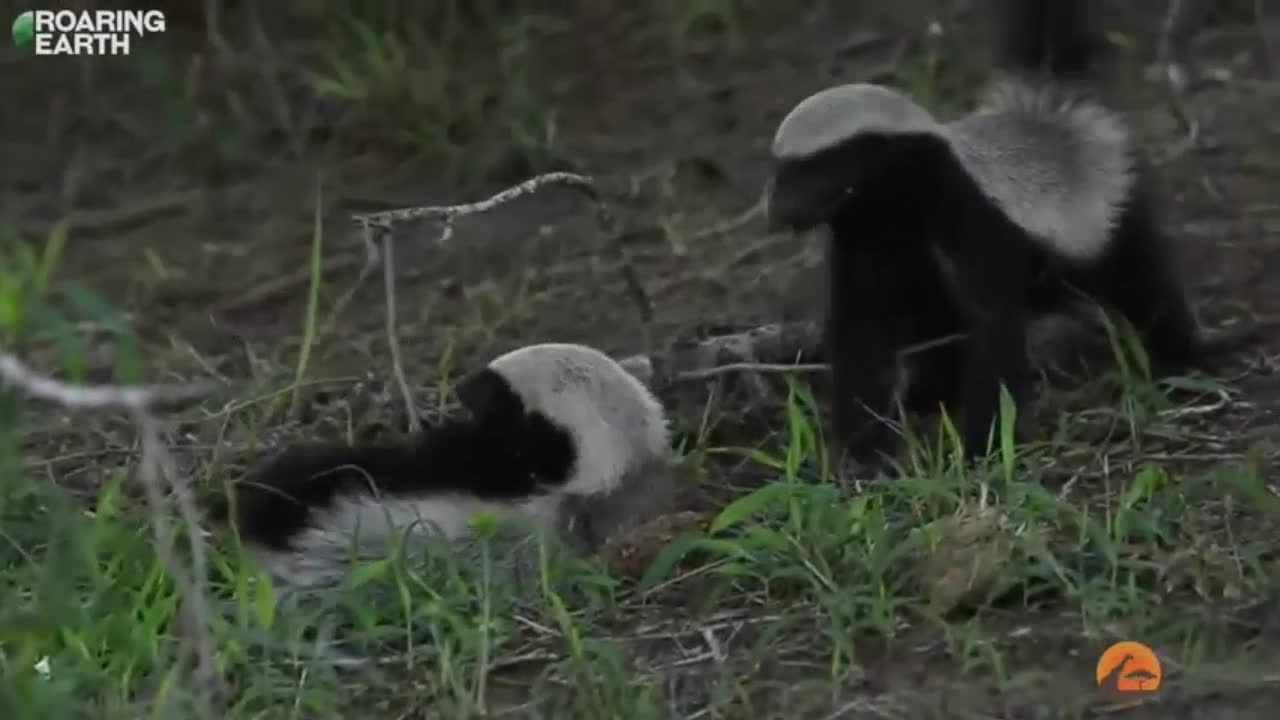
[393, 338]
[449, 213]
[931, 344]
[635, 289]
[704, 373]
[689, 375]
[724, 227]
[156, 470]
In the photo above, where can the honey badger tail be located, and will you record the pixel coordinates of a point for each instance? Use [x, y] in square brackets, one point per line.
[1058, 38]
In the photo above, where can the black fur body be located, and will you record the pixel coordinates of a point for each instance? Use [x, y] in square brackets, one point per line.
[501, 455]
[925, 256]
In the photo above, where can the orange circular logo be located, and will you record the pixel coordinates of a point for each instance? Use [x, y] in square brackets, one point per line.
[1128, 667]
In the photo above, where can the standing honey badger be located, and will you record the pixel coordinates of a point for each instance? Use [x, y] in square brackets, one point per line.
[976, 226]
[559, 437]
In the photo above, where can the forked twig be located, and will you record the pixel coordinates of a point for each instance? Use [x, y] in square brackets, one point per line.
[384, 222]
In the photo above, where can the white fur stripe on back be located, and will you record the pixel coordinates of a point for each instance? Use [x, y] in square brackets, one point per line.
[1060, 167]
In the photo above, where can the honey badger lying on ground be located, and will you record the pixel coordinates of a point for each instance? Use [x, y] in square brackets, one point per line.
[559, 436]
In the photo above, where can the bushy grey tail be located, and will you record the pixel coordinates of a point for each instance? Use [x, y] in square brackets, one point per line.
[1061, 39]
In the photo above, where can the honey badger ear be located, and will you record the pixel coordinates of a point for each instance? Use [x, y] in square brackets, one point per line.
[489, 398]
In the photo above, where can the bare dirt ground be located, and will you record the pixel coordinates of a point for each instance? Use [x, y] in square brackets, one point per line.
[192, 181]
